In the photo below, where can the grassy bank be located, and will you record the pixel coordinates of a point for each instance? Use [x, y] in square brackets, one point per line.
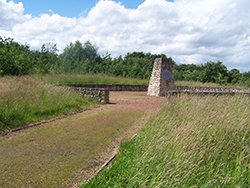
[192, 142]
[87, 79]
[23, 100]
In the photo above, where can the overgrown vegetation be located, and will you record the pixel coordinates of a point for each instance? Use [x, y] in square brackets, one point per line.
[23, 101]
[18, 59]
[194, 142]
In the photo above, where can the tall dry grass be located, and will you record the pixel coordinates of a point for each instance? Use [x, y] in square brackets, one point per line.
[24, 100]
[193, 142]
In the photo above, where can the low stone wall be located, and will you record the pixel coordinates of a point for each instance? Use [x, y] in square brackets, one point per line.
[100, 94]
[112, 87]
[212, 89]
[101, 91]
[208, 91]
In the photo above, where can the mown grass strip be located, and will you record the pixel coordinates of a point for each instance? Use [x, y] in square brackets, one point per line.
[23, 100]
[193, 142]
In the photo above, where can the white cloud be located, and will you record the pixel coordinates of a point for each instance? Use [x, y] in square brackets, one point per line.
[191, 31]
[11, 13]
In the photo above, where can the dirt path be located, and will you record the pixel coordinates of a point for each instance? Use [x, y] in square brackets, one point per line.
[66, 152]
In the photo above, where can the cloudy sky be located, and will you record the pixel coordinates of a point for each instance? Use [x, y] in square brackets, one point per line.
[190, 31]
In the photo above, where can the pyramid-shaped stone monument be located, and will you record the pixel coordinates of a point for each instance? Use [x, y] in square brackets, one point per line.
[161, 80]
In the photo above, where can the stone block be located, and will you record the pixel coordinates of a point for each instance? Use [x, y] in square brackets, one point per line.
[161, 80]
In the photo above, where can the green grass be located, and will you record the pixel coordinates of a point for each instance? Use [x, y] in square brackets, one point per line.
[196, 84]
[87, 79]
[193, 142]
[209, 84]
[64, 79]
[23, 100]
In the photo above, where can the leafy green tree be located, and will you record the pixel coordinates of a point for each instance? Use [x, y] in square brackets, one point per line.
[189, 72]
[234, 76]
[139, 64]
[214, 72]
[72, 56]
[18, 59]
[191, 75]
[245, 79]
[15, 59]
[78, 57]
[46, 59]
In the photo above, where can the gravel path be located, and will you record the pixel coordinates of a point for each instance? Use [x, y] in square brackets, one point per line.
[69, 151]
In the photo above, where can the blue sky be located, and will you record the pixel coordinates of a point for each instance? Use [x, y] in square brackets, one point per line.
[68, 8]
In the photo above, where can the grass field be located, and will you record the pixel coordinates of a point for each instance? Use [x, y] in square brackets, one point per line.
[87, 79]
[63, 79]
[193, 142]
[105, 79]
[196, 84]
[23, 100]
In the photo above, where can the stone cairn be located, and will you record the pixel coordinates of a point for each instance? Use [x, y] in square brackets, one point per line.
[161, 81]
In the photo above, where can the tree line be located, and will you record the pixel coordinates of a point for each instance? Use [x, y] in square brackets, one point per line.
[77, 57]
